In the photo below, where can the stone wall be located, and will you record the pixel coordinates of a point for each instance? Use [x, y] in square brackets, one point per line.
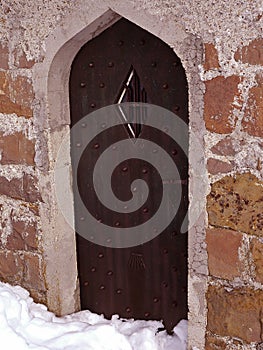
[21, 260]
[226, 115]
[233, 116]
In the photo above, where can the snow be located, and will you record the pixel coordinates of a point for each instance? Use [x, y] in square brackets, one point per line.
[27, 325]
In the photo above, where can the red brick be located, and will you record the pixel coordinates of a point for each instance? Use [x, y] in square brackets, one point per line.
[211, 57]
[236, 313]
[16, 95]
[222, 249]
[23, 188]
[33, 277]
[11, 267]
[215, 166]
[3, 56]
[253, 121]
[252, 53]
[22, 237]
[17, 149]
[257, 256]
[218, 104]
[224, 147]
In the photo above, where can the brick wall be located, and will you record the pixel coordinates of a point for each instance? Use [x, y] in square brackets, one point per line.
[233, 114]
[20, 231]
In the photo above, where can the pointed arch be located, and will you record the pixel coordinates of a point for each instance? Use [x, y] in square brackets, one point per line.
[51, 88]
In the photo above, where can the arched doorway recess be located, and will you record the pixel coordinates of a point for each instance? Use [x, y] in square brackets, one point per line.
[127, 64]
[51, 79]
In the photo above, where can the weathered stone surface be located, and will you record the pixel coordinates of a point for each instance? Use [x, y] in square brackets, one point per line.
[33, 272]
[22, 188]
[3, 56]
[211, 57]
[16, 149]
[218, 104]
[252, 53]
[236, 313]
[215, 166]
[222, 249]
[16, 95]
[257, 256]
[11, 267]
[33, 207]
[236, 203]
[20, 59]
[213, 343]
[38, 296]
[23, 236]
[224, 147]
[253, 120]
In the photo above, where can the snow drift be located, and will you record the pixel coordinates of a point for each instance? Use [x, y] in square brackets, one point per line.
[27, 325]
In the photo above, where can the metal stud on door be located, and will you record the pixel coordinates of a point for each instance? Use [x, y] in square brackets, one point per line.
[125, 64]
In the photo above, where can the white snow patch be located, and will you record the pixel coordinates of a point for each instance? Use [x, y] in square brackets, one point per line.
[27, 325]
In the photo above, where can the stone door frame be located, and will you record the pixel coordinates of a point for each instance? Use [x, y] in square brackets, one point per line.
[50, 79]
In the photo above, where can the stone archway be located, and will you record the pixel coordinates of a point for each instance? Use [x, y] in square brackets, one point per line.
[51, 81]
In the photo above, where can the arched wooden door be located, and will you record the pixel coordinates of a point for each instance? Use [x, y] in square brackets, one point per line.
[126, 63]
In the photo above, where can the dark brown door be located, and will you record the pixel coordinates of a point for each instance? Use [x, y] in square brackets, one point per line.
[149, 281]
